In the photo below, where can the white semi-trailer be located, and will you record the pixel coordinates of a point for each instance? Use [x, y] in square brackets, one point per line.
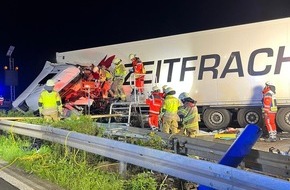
[223, 69]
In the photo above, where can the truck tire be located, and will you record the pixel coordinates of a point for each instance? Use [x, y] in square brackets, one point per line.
[215, 119]
[283, 119]
[250, 116]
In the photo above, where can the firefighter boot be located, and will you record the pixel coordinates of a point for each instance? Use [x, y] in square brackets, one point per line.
[272, 136]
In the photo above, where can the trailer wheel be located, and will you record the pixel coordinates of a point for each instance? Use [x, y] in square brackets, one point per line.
[283, 119]
[215, 119]
[250, 116]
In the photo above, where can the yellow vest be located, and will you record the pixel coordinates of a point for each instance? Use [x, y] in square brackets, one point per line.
[171, 104]
[49, 100]
[120, 70]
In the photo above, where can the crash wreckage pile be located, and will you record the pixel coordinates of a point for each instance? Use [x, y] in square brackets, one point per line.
[90, 90]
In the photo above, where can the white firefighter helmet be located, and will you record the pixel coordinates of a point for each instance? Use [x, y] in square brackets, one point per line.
[169, 90]
[183, 95]
[269, 83]
[96, 69]
[164, 87]
[131, 56]
[50, 82]
[116, 61]
[155, 88]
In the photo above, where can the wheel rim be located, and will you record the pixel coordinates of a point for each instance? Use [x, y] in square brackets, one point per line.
[287, 118]
[252, 117]
[216, 118]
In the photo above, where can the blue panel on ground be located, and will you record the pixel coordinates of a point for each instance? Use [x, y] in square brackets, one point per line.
[240, 148]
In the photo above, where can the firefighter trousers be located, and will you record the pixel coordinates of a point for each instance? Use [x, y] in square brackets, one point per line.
[269, 119]
[169, 125]
[153, 120]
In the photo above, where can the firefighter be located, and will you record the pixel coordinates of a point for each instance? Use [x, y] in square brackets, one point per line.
[98, 84]
[169, 112]
[104, 80]
[107, 78]
[139, 71]
[119, 74]
[155, 103]
[269, 110]
[188, 115]
[49, 102]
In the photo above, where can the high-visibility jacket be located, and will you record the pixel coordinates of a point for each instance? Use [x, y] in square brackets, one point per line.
[104, 75]
[108, 74]
[138, 67]
[155, 102]
[269, 110]
[189, 113]
[269, 101]
[170, 105]
[120, 71]
[169, 114]
[49, 100]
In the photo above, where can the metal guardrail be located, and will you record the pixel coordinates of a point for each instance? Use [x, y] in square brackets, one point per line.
[198, 171]
[261, 161]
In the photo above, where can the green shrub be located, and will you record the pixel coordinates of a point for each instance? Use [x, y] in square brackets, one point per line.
[15, 113]
[154, 141]
[66, 171]
[142, 181]
[69, 167]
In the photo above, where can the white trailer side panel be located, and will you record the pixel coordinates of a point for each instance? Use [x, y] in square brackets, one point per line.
[220, 67]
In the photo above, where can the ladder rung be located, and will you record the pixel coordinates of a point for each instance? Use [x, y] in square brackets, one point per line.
[123, 108]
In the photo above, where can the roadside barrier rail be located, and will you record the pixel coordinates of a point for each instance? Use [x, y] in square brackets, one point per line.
[260, 161]
[198, 171]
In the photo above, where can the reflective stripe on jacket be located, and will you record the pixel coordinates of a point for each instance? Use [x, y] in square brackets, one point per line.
[269, 103]
[155, 102]
[189, 113]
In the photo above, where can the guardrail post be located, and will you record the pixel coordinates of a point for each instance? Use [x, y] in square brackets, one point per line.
[178, 147]
[175, 145]
[123, 168]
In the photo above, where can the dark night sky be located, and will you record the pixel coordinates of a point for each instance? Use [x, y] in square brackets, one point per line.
[39, 29]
